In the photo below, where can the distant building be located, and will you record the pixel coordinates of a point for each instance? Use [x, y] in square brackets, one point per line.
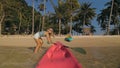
[87, 31]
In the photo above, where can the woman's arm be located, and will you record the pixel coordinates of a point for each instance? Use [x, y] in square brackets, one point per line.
[53, 35]
[48, 38]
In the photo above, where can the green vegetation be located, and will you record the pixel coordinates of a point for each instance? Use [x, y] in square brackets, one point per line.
[16, 17]
[104, 17]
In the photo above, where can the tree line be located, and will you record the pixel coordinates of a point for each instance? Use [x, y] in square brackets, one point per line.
[69, 16]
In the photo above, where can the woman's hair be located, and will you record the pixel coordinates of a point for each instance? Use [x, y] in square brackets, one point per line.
[50, 29]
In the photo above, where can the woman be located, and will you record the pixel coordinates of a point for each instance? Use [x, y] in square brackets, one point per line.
[39, 40]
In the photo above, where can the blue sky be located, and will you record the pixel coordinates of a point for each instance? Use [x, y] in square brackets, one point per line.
[98, 4]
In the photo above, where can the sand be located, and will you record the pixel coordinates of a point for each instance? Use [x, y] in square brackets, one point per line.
[79, 41]
[90, 51]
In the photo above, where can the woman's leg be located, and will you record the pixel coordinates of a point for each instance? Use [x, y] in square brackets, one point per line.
[39, 44]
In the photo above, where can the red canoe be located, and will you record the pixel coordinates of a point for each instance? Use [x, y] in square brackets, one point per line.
[58, 56]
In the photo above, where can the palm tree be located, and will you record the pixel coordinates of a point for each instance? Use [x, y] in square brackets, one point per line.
[65, 10]
[108, 29]
[9, 14]
[110, 16]
[2, 16]
[115, 14]
[42, 7]
[16, 15]
[33, 17]
[20, 17]
[20, 14]
[74, 5]
[103, 18]
[59, 13]
[86, 14]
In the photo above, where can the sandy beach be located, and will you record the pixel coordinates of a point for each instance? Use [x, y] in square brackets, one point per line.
[90, 51]
[78, 41]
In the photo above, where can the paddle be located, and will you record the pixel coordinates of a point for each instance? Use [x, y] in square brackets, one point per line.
[77, 49]
[80, 50]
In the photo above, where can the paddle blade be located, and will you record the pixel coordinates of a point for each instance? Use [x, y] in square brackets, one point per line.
[80, 50]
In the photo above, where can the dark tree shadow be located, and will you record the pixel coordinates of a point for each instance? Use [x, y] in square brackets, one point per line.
[31, 48]
[119, 66]
[44, 50]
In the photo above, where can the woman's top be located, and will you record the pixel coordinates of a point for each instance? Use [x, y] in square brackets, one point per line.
[39, 34]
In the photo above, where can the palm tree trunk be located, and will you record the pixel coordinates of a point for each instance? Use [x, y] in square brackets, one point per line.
[19, 23]
[43, 19]
[71, 25]
[118, 33]
[40, 23]
[71, 17]
[83, 25]
[28, 27]
[33, 17]
[1, 23]
[2, 18]
[108, 28]
[0, 28]
[59, 27]
[118, 29]
[43, 22]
